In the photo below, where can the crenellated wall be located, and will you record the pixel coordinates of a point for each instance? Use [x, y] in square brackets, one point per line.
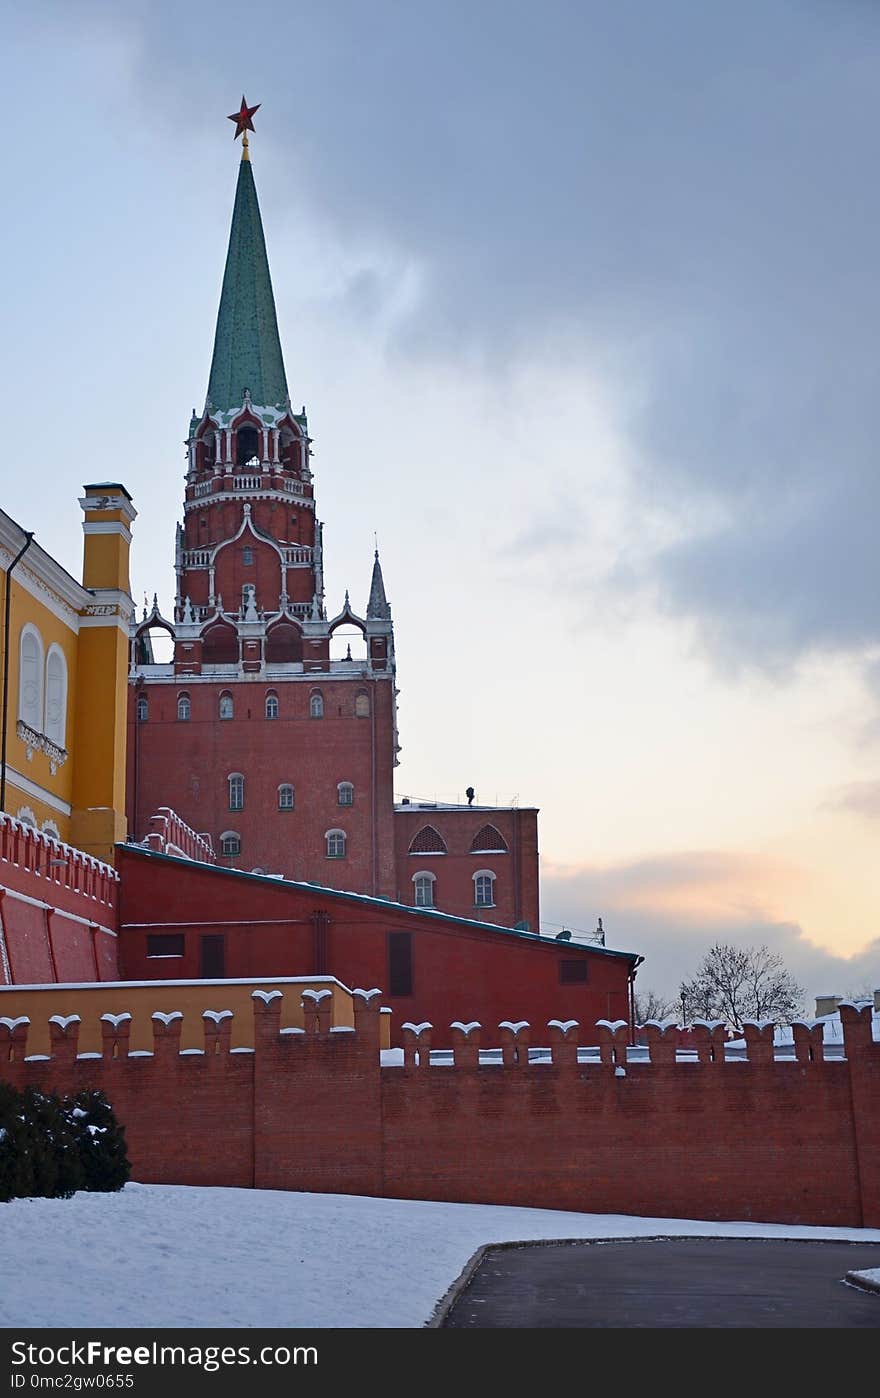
[696, 1136]
[58, 910]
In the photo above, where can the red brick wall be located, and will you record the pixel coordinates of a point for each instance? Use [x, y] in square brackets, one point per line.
[58, 910]
[791, 1142]
[269, 929]
[516, 872]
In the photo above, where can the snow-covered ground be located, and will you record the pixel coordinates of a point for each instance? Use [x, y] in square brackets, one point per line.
[167, 1255]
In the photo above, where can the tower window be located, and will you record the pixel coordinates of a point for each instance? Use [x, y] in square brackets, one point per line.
[345, 794]
[247, 446]
[484, 889]
[184, 708]
[230, 842]
[488, 841]
[285, 797]
[271, 705]
[316, 705]
[335, 842]
[236, 791]
[362, 706]
[247, 557]
[423, 885]
[573, 972]
[227, 708]
[143, 708]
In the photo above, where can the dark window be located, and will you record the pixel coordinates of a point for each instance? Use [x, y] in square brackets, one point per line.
[164, 944]
[400, 963]
[213, 966]
[247, 445]
[247, 557]
[573, 973]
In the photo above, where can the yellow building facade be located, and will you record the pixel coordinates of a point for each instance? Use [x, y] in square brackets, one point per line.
[65, 650]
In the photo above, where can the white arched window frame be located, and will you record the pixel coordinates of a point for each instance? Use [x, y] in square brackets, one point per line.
[271, 705]
[362, 705]
[55, 725]
[26, 816]
[50, 828]
[230, 842]
[30, 678]
[423, 887]
[334, 841]
[286, 796]
[236, 791]
[316, 704]
[184, 708]
[143, 708]
[484, 889]
[227, 707]
[345, 793]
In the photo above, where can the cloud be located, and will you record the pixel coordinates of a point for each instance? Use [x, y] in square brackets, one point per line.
[863, 798]
[671, 908]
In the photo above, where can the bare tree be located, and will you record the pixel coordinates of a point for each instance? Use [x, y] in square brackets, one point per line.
[650, 1005]
[737, 983]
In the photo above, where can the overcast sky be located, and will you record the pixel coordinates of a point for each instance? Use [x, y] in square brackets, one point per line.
[582, 300]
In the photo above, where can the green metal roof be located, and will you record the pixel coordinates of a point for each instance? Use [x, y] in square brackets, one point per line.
[247, 350]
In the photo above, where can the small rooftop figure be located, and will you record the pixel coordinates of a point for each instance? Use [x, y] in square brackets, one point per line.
[470, 793]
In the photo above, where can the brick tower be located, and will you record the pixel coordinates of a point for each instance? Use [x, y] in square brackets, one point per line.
[253, 732]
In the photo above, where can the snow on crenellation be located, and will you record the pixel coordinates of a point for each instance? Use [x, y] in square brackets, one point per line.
[466, 1029]
[217, 1016]
[367, 995]
[515, 1028]
[418, 1029]
[168, 1018]
[612, 1024]
[267, 996]
[116, 1020]
[64, 1021]
[563, 1024]
[317, 995]
[13, 1024]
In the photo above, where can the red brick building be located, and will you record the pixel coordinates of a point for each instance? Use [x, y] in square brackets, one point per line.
[272, 726]
[186, 920]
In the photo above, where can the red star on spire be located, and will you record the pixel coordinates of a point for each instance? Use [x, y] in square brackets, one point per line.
[242, 118]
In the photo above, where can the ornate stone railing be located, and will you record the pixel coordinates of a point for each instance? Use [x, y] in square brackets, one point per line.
[38, 742]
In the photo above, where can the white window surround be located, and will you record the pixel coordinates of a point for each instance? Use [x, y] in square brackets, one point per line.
[55, 725]
[271, 705]
[50, 828]
[226, 705]
[26, 816]
[30, 677]
[230, 842]
[335, 844]
[316, 704]
[345, 793]
[184, 708]
[423, 885]
[286, 796]
[484, 888]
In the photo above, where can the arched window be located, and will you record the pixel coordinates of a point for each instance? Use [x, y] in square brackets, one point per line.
[345, 794]
[428, 841]
[247, 446]
[143, 708]
[230, 842]
[423, 884]
[362, 705]
[26, 816]
[183, 707]
[484, 889]
[271, 704]
[285, 797]
[316, 704]
[488, 841]
[55, 726]
[236, 791]
[227, 709]
[50, 828]
[335, 842]
[30, 678]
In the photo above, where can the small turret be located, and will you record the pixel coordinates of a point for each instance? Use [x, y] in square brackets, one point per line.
[377, 607]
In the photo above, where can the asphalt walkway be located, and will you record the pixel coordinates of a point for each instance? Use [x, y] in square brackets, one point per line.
[669, 1283]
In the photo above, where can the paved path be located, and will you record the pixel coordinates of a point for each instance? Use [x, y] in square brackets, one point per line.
[677, 1283]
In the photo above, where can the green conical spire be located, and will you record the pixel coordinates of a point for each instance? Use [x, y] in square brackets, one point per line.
[247, 350]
